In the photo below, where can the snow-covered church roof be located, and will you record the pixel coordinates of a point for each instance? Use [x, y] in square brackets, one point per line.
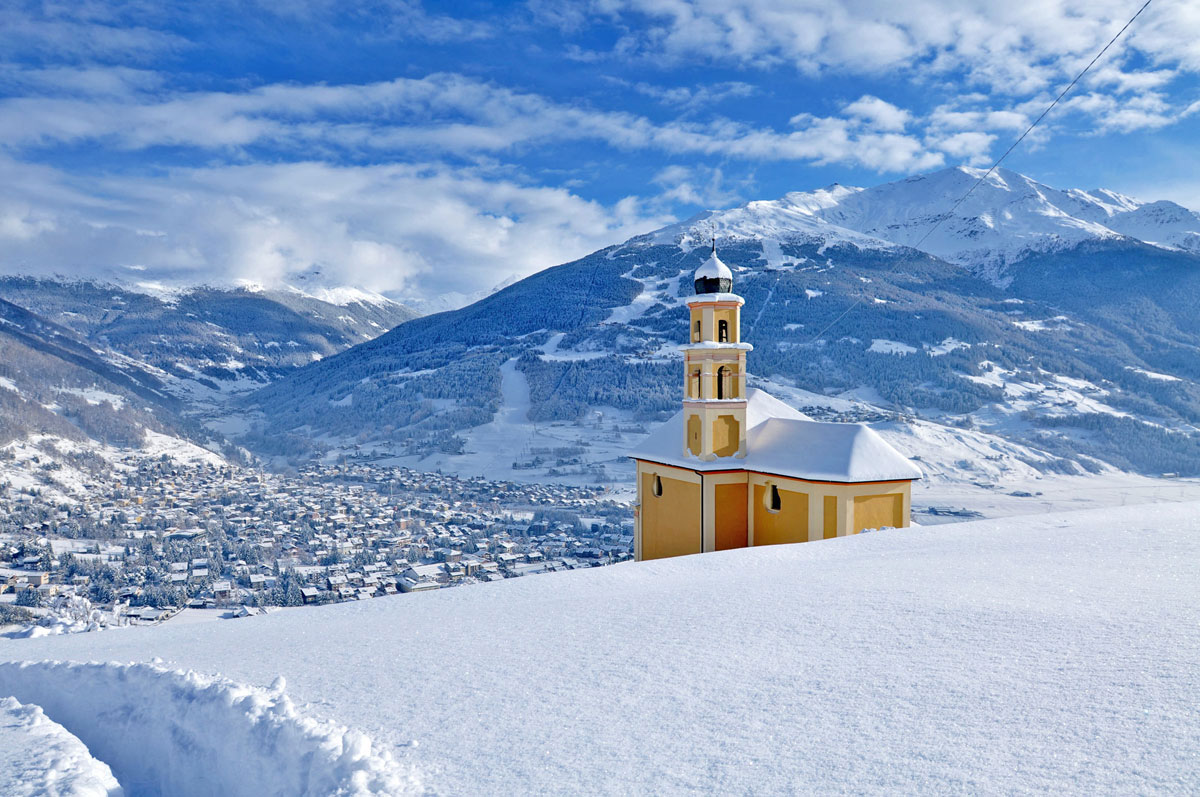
[784, 442]
[714, 269]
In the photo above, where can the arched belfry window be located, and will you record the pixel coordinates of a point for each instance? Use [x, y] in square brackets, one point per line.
[696, 332]
[694, 384]
[722, 379]
[722, 331]
[657, 489]
[774, 502]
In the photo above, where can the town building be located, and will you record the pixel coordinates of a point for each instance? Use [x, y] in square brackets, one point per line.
[736, 467]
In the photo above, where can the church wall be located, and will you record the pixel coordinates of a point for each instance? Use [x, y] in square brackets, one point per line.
[695, 426]
[729, 514]
[788, 524]
[725, 436]
[876, 511]
[668, 524]
[730, 317]
[729, 509]
[829, 521]
[834, 510]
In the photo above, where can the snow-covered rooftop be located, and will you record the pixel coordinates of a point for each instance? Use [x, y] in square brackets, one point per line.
[784, 442]
[713, 268]
[700, 298]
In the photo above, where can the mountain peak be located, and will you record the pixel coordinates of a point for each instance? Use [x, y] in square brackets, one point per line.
[1006, 217]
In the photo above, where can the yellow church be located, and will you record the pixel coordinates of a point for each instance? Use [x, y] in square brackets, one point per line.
[737, 467]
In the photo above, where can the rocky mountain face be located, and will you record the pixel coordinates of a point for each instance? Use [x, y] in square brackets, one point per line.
[1056, 321]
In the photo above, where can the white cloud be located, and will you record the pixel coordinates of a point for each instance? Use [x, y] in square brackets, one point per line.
[700, 185]
[971, 147]
[1020, 46]
[878, 113]
[439, 114]
[695, 98]
[85, 31]
[405, 230]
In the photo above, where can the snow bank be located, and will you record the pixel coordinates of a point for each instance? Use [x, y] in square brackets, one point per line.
[180, 733]
[40, 757]
[69, 614]
[1047, 654]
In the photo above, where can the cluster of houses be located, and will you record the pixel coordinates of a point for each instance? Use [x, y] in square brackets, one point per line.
[166, 535]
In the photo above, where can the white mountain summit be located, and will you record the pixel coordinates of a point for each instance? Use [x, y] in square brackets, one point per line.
[1007, 217]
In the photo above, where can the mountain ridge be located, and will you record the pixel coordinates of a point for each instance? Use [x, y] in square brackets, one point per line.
[968, 344]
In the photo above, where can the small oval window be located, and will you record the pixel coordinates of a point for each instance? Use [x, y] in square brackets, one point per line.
[774, 502]
[657, 486]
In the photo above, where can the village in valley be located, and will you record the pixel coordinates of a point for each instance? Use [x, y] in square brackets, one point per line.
[167, 536]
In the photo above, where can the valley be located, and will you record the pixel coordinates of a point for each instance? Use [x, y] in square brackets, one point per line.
[1003, 355]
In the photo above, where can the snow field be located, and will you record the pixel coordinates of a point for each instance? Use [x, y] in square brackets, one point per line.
[1058, 654]
[40, 758]
[184, 734]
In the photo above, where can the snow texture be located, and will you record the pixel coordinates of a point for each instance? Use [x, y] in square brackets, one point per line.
[40, 758]
[881, 346]
[1058, 653]
[184, 734]
[713, 268]
[835, 452]
[782, 441]
[1007, 217]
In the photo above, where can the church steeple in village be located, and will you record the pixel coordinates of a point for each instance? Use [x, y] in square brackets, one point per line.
[737, 468]
[714, 396]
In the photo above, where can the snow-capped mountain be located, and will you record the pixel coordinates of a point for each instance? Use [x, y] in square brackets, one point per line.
[1081, 357]
[1005, 218]
[1038, 330]
[205, 342]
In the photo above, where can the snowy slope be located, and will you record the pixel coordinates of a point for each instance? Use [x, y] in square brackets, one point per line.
[1059, 654]
[70, 413]
[1004, 219]
[798, 217]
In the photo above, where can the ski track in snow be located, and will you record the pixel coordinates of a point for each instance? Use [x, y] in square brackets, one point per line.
[765, 303]
[187, 735]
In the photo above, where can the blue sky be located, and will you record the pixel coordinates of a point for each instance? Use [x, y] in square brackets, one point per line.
[430, 150]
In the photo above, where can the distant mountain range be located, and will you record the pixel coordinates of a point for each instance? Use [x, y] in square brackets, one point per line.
[1059, 320]
[88, 367]
[1034, 330]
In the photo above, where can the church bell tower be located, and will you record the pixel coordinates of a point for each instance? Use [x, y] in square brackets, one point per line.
[714, 396]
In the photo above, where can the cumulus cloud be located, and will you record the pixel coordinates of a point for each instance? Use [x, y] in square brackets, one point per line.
[1021, 48]
[1017, 46]
[879, 113]
[404, 230]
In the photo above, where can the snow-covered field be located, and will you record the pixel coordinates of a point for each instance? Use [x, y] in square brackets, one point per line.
[1056, 653]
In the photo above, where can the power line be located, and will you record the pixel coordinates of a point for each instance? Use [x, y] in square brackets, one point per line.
[995, 165]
